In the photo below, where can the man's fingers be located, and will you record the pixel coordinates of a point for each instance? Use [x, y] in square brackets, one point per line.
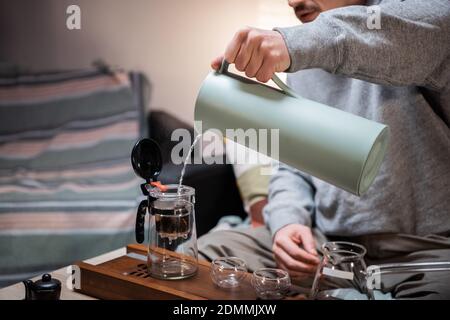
[266, 71]
[291, 264]
[308, 241]
[266, 46]
[244, 55]
[235, 45]
[216, 63]
[296, 252]
[255, 63]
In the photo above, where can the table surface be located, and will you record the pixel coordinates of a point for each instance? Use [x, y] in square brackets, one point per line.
[17, 291]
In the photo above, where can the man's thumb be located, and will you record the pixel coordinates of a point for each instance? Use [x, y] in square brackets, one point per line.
[216, 63]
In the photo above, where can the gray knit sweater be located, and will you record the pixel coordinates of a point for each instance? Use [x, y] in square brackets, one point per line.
[398, 75]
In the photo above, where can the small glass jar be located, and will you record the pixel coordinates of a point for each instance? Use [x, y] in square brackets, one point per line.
[228, 272]
[172, 251]
[272, 284]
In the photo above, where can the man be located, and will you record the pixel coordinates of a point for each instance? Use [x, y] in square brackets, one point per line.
[398, 75]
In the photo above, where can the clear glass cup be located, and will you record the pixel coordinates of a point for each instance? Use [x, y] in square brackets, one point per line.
[228, 272]
[172, 251]
[270, 283]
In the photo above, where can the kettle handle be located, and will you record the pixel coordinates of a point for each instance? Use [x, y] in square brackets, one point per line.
[284, 87]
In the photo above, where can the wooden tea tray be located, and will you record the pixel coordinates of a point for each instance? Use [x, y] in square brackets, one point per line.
[126, 277]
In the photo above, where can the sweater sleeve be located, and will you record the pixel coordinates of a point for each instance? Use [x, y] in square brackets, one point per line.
[411, 47]
[291, 199]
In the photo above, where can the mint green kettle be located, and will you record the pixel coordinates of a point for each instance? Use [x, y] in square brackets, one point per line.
[335, 146]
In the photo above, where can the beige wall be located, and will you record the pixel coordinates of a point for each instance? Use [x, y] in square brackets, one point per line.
[171, 41]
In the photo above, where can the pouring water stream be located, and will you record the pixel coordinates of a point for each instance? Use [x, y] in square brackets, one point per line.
[186, 160]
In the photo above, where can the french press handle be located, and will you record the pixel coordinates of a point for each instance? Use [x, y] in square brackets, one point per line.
[140, 221]
[140, 218]
[284, 87]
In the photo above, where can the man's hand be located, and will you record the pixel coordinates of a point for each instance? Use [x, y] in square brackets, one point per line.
[258, 53]
[294, 250]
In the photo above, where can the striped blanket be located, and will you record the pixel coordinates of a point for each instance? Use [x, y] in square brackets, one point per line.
[67, 190]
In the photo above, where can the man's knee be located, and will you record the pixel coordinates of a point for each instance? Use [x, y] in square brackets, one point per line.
[253, 245]
[217, 244]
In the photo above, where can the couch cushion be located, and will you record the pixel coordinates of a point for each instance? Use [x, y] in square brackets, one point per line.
[67, 190]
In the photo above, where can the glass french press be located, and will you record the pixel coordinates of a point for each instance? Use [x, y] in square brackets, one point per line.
[172, 249]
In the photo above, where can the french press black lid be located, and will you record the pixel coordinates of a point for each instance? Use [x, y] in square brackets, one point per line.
[146, 160]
